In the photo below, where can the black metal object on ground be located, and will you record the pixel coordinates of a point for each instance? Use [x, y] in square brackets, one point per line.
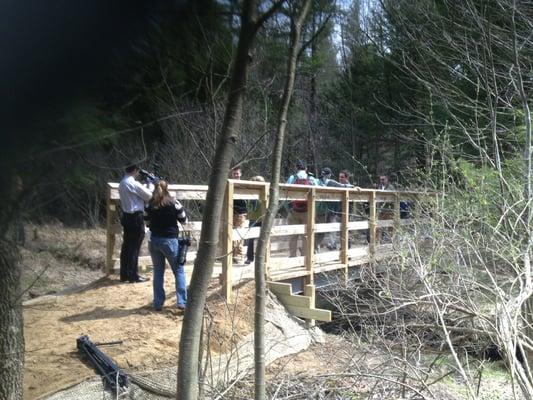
[105, 366]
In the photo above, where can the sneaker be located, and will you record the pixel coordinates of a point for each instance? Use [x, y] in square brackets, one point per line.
[158, 308]
[247, 262]
[181, 307]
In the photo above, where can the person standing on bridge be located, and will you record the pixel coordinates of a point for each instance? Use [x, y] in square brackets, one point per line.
[386, 210]
[344, 178]
[298, 208]
[384, 183]
[133, 196]
[239, 220]
[327, 211]
[255, 215]
[163, 214]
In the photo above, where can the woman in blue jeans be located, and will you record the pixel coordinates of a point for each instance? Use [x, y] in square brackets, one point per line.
[163, 213]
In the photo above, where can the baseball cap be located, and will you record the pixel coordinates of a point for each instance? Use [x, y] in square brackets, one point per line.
[326, 171]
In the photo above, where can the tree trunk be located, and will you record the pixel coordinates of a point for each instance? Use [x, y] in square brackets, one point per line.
[266, 226]
[11, 324]
[528, 197]
[203, 265]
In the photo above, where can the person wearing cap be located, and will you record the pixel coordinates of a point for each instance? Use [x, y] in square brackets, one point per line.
[298, 208]
[327, 211]
[327, 180]
[133, 196]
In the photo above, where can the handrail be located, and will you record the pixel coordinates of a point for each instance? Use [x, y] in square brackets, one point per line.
[248, 190]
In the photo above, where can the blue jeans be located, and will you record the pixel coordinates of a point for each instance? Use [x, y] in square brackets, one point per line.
[162, 249]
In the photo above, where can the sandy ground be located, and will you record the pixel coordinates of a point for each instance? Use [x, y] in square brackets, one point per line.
[110, 310]
[55, 258]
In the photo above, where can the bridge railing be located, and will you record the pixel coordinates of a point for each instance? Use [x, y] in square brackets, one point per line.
[373, 215]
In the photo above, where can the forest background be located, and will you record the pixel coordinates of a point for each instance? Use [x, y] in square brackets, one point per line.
[154, 92]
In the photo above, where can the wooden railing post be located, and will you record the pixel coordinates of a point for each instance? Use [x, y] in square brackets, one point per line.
[310, 242]
[227, 244]
[310, 291]
[110, 235]
[345, 198]
[372, 223]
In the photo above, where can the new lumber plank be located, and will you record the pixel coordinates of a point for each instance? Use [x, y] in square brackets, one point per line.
[310, 313]
[295, 300]
[286, 262]
[328, 256]
[279, 288]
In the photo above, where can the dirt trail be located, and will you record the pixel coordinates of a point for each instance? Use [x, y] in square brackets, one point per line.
[110, 310]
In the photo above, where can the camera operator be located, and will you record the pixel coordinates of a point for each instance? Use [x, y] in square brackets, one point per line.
[133, 196]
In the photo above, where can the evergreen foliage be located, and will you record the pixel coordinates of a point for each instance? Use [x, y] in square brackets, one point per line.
[364, 98]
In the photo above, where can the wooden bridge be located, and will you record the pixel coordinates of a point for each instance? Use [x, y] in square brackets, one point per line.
[365, 214]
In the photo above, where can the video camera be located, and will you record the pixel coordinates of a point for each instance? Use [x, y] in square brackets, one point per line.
[149, 177]
[184, 247]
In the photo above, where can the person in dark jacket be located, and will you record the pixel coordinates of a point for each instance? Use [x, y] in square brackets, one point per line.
[239, 220]
[162, 214]
[255, 215]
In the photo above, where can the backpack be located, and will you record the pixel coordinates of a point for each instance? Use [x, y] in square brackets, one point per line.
[300, 205]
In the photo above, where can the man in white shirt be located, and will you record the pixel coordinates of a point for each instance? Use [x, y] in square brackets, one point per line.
[133, 196]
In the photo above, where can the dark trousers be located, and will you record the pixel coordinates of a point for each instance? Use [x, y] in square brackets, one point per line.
[250, 243]
[133, 225]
